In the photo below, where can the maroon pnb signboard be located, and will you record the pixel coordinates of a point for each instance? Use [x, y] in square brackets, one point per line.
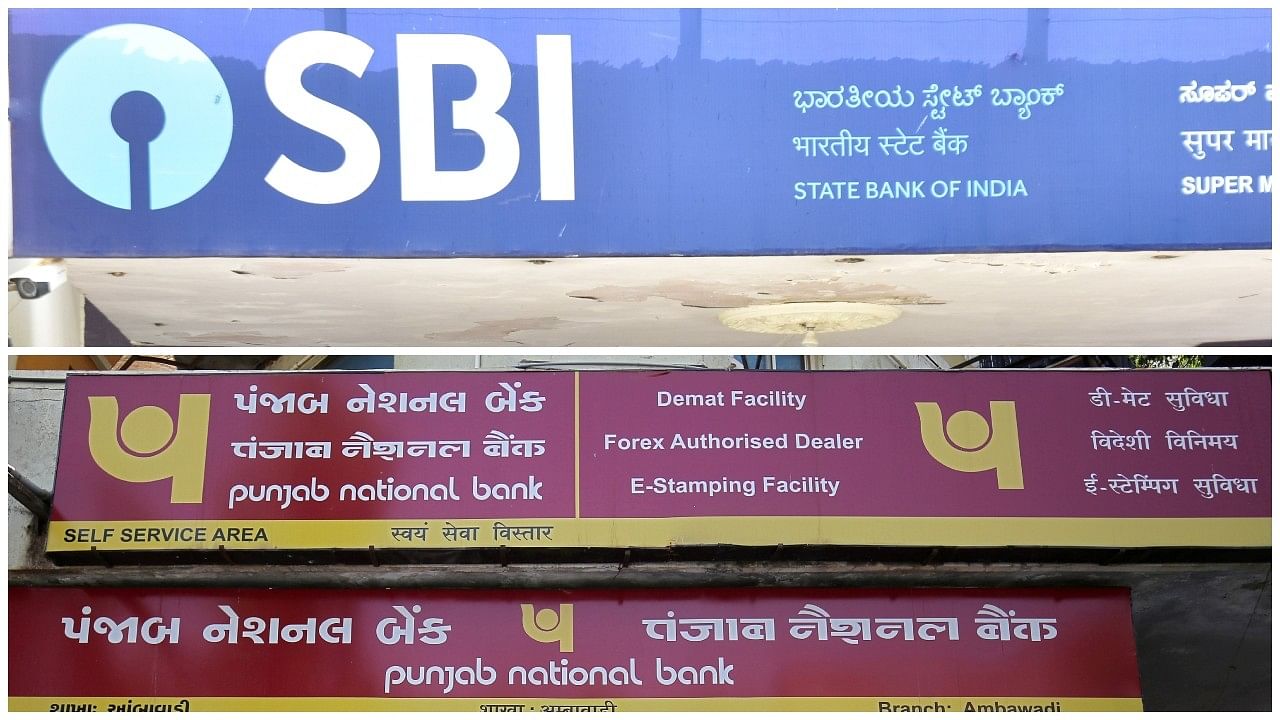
[654, 459]
[602, 650]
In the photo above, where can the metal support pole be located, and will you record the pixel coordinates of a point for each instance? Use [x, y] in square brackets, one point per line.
[1036, 49]
[32, 497]
[690, 50]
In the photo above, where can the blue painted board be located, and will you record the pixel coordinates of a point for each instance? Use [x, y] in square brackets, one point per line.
[712, 132]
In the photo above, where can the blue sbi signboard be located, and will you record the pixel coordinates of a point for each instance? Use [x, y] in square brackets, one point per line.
[480, 133]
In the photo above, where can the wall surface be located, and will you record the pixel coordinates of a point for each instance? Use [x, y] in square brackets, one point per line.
[1159, 299]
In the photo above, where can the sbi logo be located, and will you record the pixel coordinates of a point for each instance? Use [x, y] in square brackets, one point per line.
[137, 117]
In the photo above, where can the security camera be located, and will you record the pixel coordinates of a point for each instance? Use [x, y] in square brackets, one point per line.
[35, 280]
[29, 289]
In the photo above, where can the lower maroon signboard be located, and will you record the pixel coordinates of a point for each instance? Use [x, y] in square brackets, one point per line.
[581, 650]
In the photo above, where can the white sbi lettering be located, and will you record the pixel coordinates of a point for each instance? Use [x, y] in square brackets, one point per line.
[421, 180]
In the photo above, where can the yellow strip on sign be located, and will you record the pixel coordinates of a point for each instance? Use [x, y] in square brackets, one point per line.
[658, 533]
[722, 704]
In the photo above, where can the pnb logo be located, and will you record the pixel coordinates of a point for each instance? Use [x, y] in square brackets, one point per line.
[138, 117]
[548, 626]
[969, 444]
[148, 446]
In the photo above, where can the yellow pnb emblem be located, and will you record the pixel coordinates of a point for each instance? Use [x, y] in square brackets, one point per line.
[547, 626]
[148, 448]
[969, 444]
